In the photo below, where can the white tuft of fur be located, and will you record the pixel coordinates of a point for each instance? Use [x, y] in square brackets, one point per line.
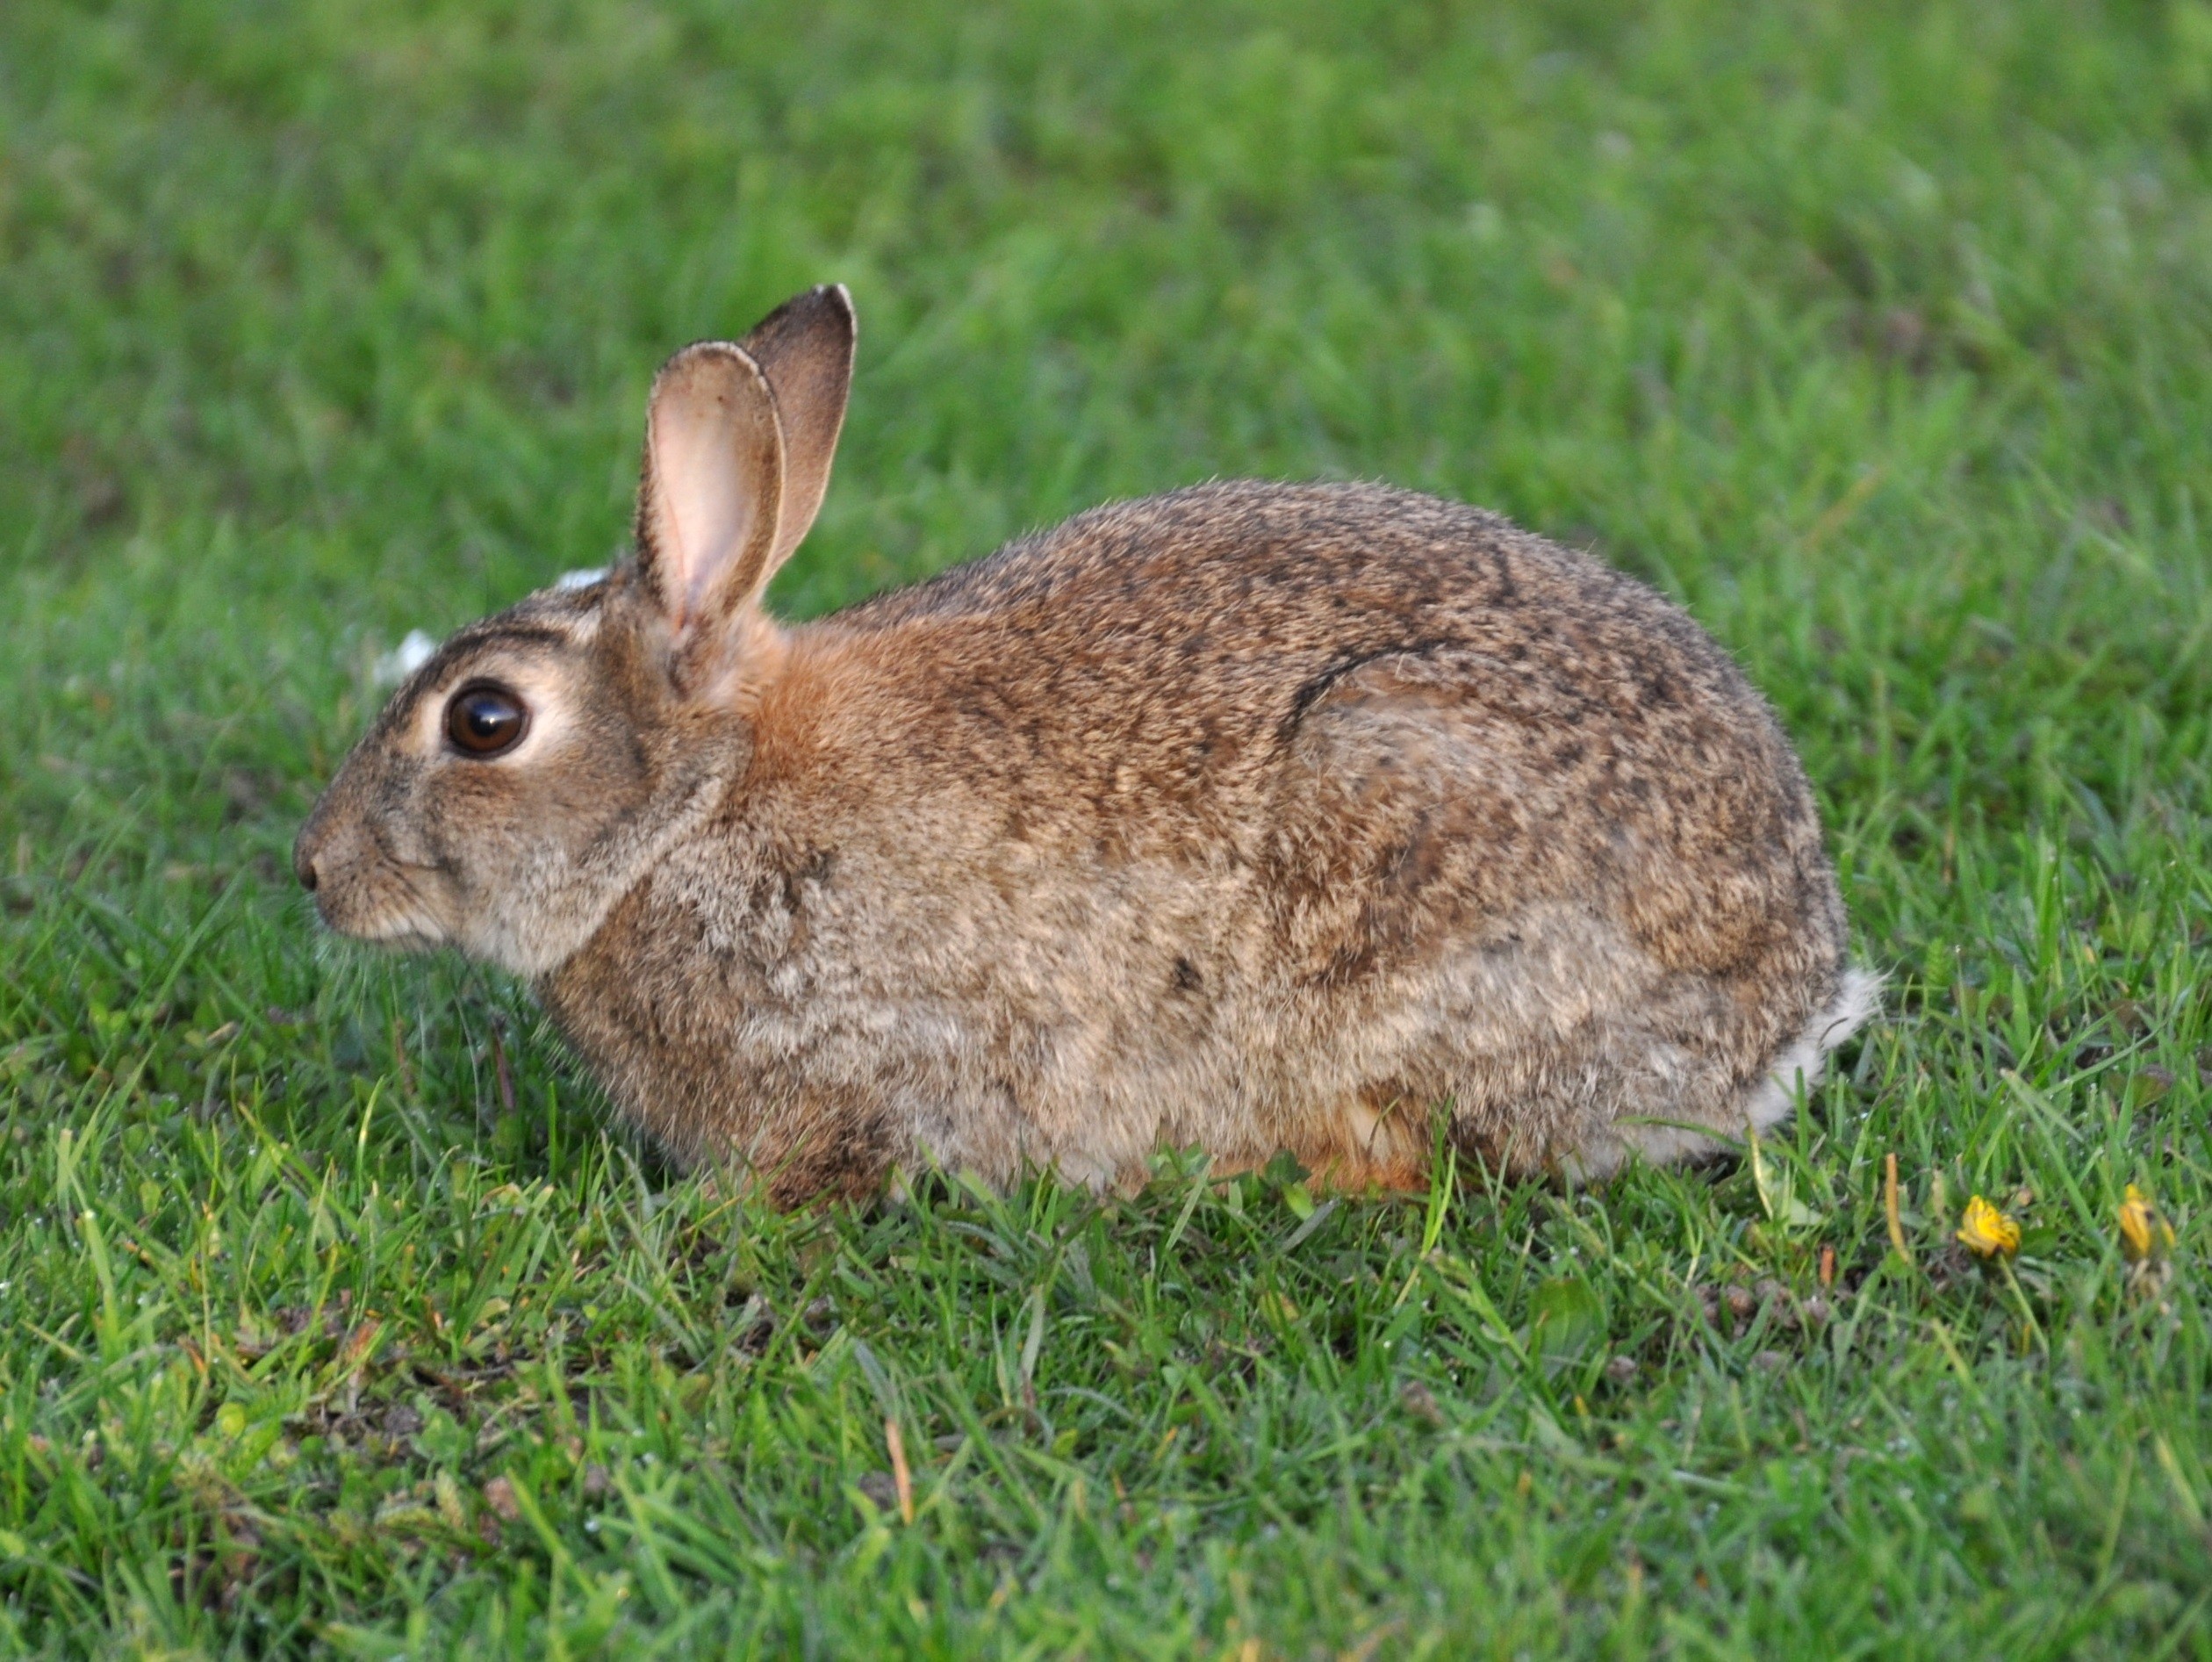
[1803, 1063]
[403, 660]
[1791, 1078]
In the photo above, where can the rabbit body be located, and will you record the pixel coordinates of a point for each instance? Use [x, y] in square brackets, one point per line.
[1249, 817]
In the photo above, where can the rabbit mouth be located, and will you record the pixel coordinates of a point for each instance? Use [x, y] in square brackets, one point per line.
[391, 909]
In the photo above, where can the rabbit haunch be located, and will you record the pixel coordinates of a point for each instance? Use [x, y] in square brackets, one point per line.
[1250, 818]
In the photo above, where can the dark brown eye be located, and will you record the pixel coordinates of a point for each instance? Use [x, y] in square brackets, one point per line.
[483, 720]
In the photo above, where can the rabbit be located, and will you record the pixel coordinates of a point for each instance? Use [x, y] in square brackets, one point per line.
[1332, 819]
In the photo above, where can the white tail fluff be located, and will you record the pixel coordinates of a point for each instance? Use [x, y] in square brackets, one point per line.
[1794, 1076]
[1803, 1063]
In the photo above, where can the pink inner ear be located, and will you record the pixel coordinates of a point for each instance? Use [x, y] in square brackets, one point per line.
[706, 512]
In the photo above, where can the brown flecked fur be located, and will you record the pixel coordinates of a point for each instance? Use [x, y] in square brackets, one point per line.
[1251, 816]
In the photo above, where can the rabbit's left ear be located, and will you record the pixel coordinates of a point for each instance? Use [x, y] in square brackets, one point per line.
[738, 444]
[710, 498]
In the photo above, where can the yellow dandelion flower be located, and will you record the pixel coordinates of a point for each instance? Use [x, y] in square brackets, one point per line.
[1987, 1232]
[2144, 1233]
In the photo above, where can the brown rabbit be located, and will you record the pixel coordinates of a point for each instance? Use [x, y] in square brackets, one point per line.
[1251, 816]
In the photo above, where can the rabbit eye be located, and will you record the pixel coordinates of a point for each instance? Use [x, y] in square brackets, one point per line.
[483, 720]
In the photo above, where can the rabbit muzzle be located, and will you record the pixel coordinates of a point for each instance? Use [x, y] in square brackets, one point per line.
[361, 890]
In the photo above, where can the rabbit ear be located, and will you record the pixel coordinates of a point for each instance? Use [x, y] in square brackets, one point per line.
[805, 349]
[711, 498]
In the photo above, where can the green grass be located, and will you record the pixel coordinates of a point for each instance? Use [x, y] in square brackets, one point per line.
[333, 1311]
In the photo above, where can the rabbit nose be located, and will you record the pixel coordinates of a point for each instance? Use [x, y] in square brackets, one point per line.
[304, 865]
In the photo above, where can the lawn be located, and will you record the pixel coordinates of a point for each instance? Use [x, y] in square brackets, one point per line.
[336, 1313]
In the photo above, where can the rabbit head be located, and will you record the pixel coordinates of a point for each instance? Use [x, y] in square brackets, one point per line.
[522, 779]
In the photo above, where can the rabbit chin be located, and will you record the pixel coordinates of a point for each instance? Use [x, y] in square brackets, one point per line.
[402, 938]
[492, 940]
[404, 920]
